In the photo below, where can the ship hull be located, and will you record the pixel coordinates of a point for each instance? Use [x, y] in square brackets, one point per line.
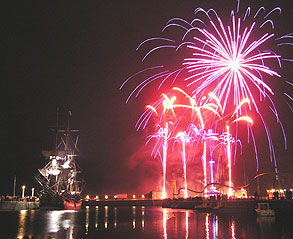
[72, 205]
[59, 203]
[51, 203]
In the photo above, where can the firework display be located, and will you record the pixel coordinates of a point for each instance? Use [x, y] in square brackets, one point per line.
[225, 69]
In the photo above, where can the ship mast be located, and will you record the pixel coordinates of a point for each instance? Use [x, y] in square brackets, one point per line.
[68, 132]
[57, 128]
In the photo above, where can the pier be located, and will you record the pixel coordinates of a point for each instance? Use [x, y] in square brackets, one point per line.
[19, 205]
[122, 202]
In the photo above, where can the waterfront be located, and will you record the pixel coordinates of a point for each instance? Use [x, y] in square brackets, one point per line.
[139, 222]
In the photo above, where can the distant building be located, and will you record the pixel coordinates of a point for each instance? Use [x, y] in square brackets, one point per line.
[173, 186]
[156, 195]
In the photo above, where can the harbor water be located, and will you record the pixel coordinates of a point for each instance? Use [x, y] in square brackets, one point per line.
[139, 222]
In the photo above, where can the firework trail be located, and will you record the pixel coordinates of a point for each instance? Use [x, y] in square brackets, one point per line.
[165, 150]
[229, 162]
[185, 139]
[205, 103]
[208, 135]
[163, 135]
[209, 104]
[227, 138]
[167, 117]
[199, 109]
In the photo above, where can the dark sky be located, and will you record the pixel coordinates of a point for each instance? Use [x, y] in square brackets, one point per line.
[76, 55]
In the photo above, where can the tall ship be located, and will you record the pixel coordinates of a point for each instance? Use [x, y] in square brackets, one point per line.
[60, 181]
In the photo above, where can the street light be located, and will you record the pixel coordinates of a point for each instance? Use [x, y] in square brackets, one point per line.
[23, 188]
[33, 192]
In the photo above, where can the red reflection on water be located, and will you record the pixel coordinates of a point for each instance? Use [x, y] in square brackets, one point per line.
[211, 226]
[233, 230]
[186, 225]
[207, 227]
[165, 223]
[216, 227]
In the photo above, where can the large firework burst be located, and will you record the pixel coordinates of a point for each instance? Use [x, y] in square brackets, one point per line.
[229, 59]
[235, 60]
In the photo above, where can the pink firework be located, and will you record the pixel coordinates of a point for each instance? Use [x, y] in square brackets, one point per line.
[235, 60]
[163, 135]
[164, 109]
[229, 58]
[184, 139]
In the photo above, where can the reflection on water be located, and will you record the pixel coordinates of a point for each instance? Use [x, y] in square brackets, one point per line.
[97, 217]
[165, 223]
[22, 223]
[233, 229]
[115, 217]
[24, 227]
[140, 222]
[60, 223]
[87, 219]
[106, 217]
[266, 224]
[142, 218]
[207, 227]
[133, 216]
[186, 224]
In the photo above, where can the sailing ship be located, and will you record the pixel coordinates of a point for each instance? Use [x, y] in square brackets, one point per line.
[59, 178]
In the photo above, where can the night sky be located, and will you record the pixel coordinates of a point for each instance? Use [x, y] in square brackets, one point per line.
[75, 56]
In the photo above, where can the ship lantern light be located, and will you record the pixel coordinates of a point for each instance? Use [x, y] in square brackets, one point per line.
[66, 165]
[54, 163]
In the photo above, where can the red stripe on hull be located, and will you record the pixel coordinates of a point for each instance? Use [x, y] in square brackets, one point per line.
[71, 205]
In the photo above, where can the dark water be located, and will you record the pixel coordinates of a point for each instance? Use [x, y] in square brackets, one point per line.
[139, 222]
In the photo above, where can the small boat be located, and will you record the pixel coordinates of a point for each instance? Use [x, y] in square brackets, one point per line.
[263, 209]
